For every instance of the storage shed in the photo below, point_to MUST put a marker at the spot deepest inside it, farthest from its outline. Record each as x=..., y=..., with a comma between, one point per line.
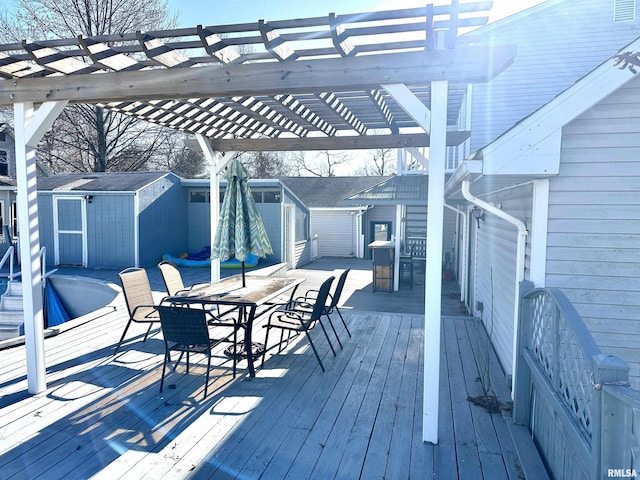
x=112, y=220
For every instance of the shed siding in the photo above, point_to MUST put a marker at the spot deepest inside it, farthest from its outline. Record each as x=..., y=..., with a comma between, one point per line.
x=495, y=275
x=162, y=219
x=594, y=223
x=336, y=230
x=563, y=37
x=45, y=224
x=110, y=233
x=199, y=229
x=302, y=248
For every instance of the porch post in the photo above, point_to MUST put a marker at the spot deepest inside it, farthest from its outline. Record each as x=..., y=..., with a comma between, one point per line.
x=433, y=269
x=214, y=197
x=434, y=122
x=30, y=125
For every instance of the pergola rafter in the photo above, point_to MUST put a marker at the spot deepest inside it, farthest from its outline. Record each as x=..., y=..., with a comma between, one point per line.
x=322, y=74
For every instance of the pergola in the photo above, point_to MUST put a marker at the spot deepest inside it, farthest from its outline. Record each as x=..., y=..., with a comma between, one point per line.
x=390, y=79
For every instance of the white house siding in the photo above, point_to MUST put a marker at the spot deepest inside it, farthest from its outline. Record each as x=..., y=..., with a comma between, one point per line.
x=557, y=46
x=336, y=230
x=495, y=275
x=594, y=223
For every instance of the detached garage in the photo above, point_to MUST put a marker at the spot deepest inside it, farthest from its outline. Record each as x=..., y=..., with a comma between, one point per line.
x=335, y=226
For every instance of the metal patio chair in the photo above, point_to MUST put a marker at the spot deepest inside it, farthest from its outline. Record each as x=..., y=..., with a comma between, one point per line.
x=308, y=300
x=174, y=286
x=185, y=330
x=172, y=279
x=139, y=299
x=301, y=320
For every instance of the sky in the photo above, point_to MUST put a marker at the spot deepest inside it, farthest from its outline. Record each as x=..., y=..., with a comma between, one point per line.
x=206, y=12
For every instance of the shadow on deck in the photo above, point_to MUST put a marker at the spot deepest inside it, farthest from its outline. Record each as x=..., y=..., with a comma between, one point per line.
x=103, y=416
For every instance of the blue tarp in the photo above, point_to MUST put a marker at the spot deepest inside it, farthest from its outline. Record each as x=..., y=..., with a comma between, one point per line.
x=55, y=313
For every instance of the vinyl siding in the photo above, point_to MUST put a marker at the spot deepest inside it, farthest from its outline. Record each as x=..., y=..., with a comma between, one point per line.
x=495, y=274
x=162, y=219
x=199, y=226
x=556, y=47
x=110, y=232
x=594, y=223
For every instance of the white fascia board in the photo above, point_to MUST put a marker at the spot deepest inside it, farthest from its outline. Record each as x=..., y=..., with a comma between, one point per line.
x=541, y=158
x=541, y=129
x=339, y=209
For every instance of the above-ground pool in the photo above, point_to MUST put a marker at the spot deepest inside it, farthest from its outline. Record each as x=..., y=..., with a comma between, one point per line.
x=83, y=295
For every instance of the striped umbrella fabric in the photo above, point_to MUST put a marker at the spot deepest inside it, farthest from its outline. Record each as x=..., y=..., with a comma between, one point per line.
x=240, y=229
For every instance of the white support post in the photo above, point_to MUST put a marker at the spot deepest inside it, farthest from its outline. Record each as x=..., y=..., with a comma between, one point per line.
x=434, y=122
x=215, y=167
x=30, y=125
x=433, y=269
x=539, y=220
x=397, y=239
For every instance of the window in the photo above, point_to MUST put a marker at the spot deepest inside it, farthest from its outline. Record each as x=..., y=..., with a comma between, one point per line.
x=3, y=136
x=4, y=163
x=271, y=196
x=200, y=197
x=302, y=232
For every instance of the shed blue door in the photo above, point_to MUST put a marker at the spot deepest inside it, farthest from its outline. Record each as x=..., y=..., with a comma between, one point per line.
x=70, y=231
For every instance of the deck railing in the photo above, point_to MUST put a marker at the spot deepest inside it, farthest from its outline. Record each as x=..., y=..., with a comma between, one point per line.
x=8, y=255
x=576, y=401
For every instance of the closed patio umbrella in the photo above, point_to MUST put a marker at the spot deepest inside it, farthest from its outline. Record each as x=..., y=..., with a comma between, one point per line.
x=240, y=229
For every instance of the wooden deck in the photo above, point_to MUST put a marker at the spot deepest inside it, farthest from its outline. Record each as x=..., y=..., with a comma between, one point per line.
x=103, y=417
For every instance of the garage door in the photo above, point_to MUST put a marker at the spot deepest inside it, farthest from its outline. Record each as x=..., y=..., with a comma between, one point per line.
x=336, y=233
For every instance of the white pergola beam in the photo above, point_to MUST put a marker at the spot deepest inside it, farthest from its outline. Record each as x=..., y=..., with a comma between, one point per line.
x=407, y=100
x=417, y=154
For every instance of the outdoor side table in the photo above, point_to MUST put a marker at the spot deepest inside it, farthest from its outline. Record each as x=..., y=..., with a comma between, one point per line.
x=383, y=258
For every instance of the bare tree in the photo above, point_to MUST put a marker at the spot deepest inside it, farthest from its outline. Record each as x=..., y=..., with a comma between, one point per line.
x=266, y=164
x=89, y=137
x=382, y=162
x=322, y=164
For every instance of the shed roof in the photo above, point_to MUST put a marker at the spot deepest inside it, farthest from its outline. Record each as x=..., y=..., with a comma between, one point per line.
x=328, y=192
x=401, y=189
x=99, y=182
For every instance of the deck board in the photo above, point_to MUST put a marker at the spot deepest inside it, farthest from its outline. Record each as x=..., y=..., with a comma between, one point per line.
x=102, y=416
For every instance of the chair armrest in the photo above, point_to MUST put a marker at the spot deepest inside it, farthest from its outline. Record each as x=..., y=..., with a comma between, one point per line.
x=312, y=291
x=287, y=316
x=152, y=315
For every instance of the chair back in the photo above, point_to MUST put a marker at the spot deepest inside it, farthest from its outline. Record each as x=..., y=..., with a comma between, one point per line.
x=171, y=277
x=336, y=295
x=321, y=299
x=184, y=325
x=136, y=288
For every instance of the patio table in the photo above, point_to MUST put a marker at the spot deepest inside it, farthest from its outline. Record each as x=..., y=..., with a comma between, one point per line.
x=258, y=292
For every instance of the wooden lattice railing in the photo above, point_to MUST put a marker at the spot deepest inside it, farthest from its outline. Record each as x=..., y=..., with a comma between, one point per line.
x=576, y=401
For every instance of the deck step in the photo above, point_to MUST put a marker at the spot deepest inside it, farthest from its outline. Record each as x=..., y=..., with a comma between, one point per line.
x=11, y=303
x=14, y=288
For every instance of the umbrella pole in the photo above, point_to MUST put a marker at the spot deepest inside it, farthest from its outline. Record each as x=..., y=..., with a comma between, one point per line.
x=243, y=283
